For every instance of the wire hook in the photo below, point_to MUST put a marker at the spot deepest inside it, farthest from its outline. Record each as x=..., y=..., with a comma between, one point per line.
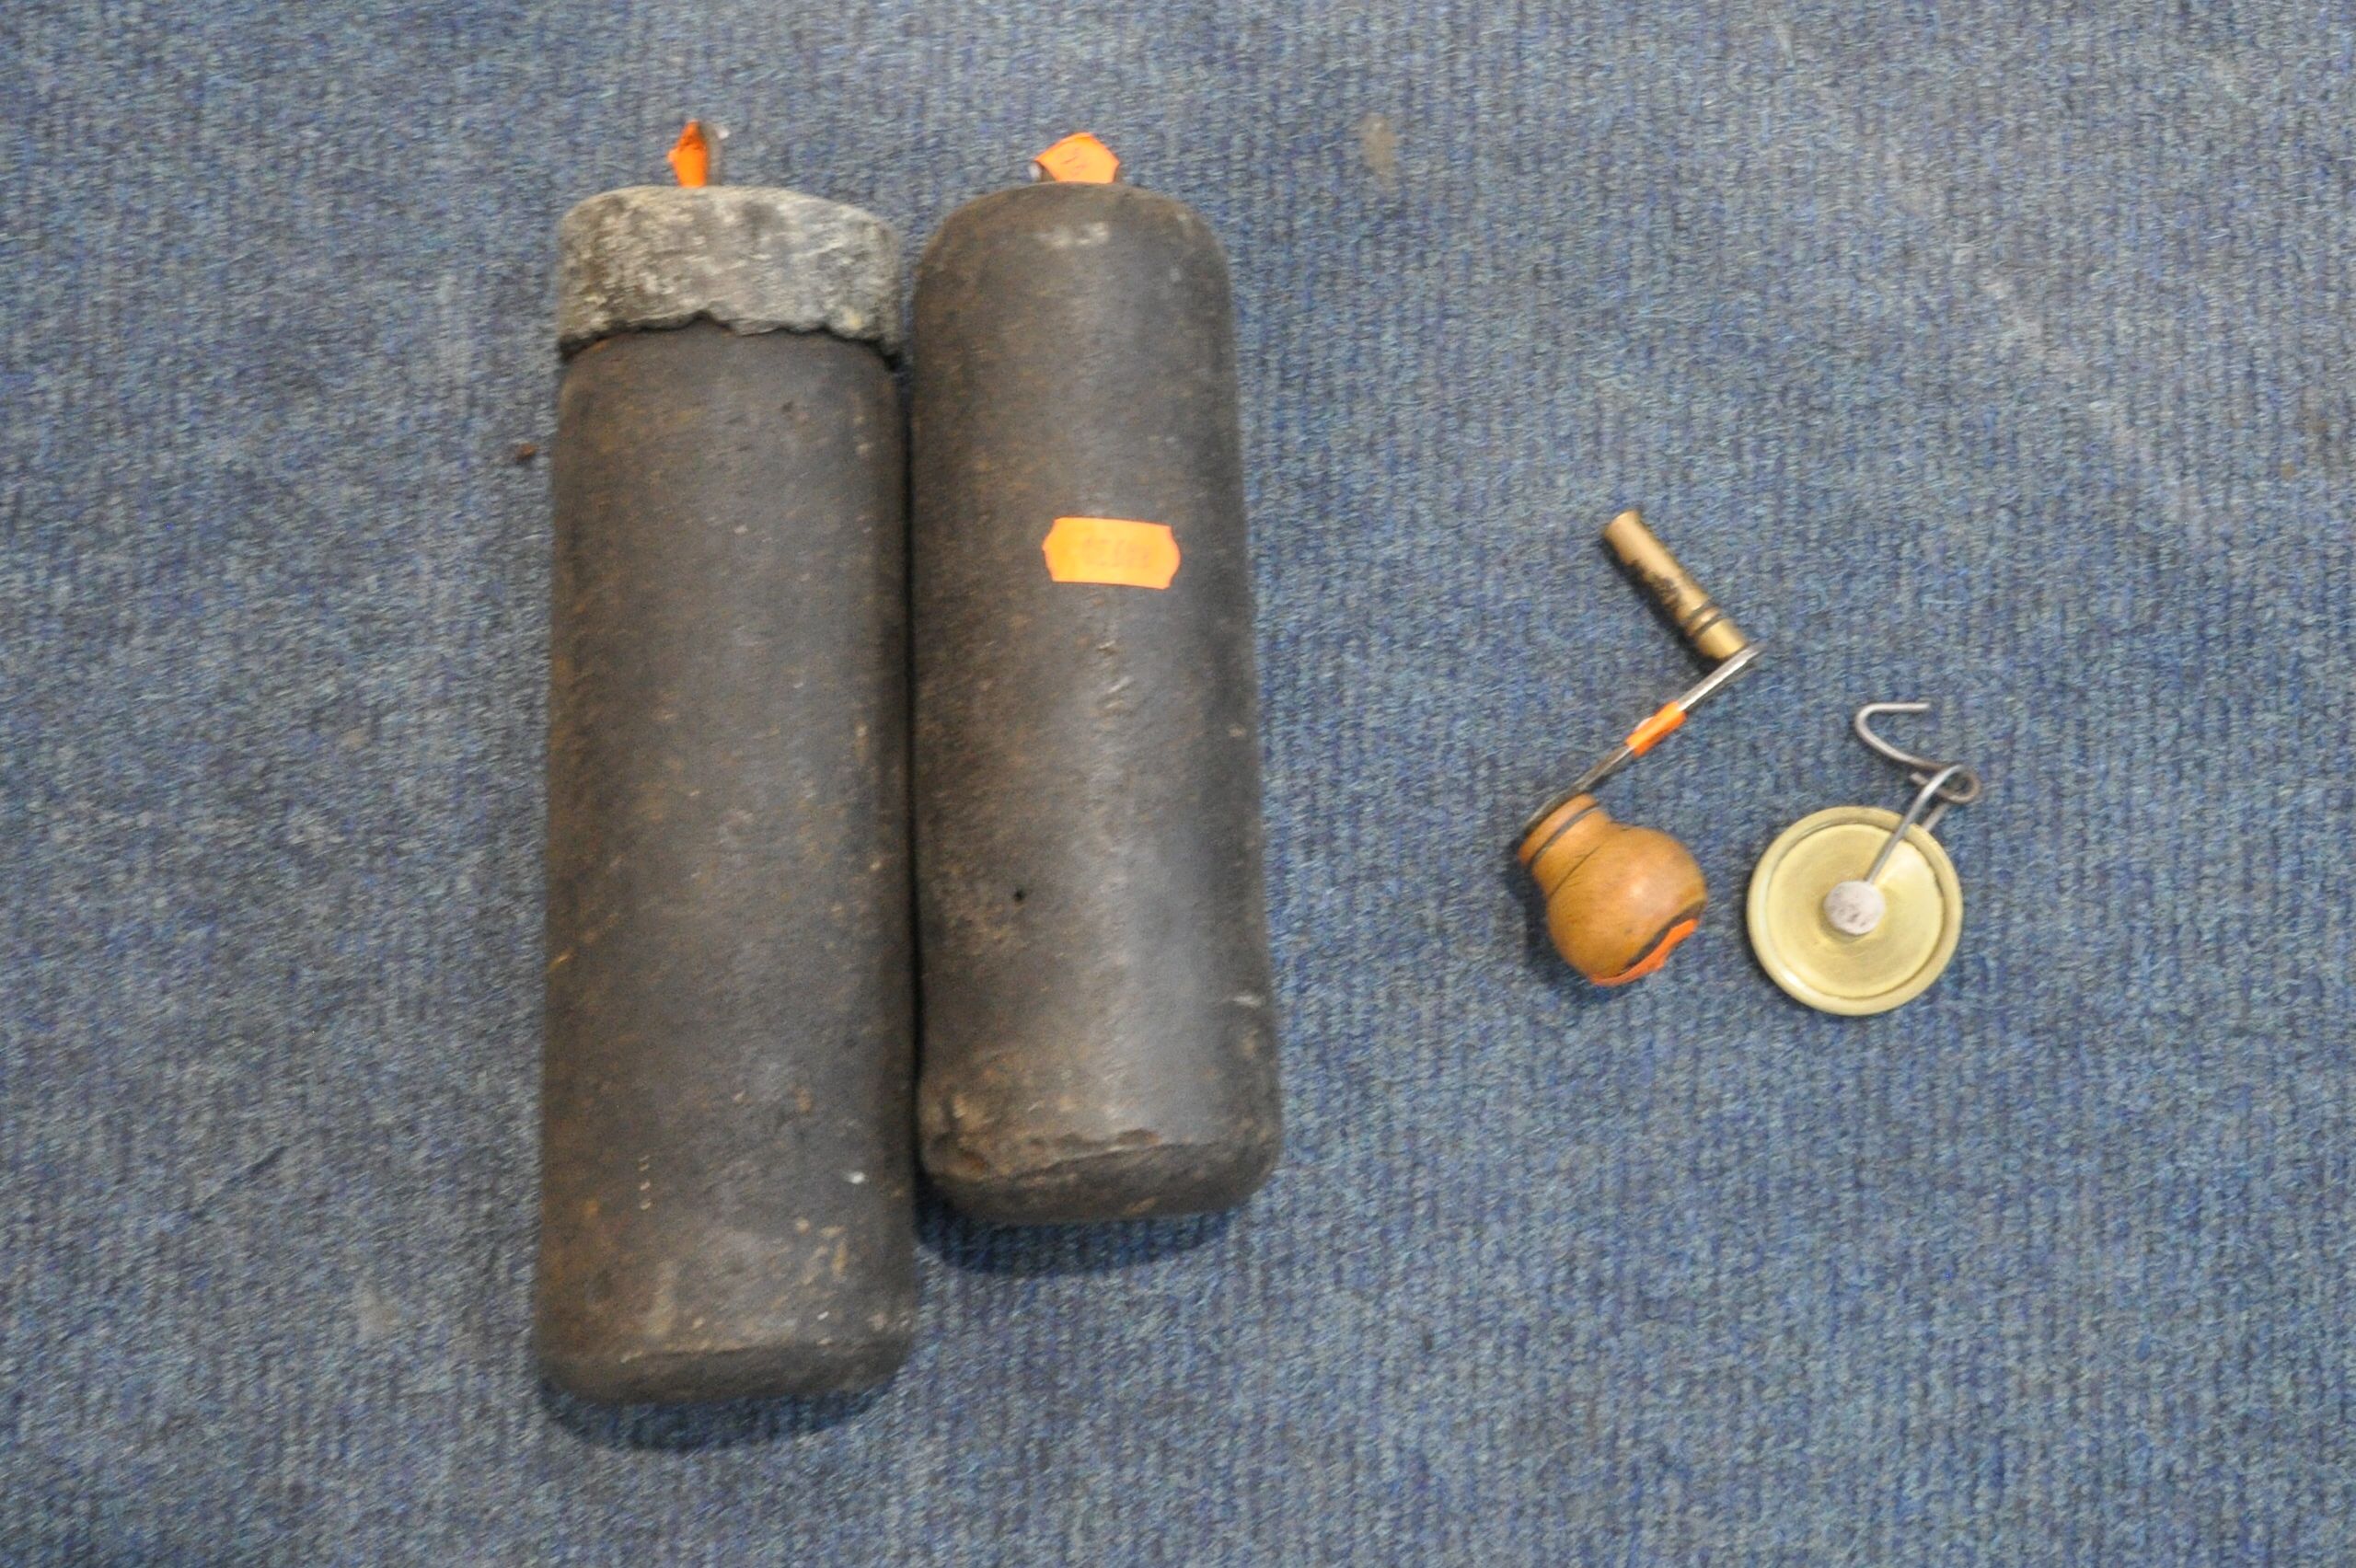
x=1950, y=782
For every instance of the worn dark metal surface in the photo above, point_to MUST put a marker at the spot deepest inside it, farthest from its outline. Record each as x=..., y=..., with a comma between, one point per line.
x=1098, y=1040
x=726, y=1199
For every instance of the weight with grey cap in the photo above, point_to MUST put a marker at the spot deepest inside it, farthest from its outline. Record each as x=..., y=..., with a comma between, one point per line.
x=727, y=1161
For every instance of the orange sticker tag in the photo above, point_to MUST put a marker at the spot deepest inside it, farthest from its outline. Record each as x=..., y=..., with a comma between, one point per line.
x=690, y=157
x=1113, y=550
x=1079, y=158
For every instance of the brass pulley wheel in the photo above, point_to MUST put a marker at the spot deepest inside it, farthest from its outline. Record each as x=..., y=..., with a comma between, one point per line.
x=1800, y=944
x=1856, y=910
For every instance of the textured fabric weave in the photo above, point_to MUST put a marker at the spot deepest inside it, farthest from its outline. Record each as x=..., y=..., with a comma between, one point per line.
x=1991, y=353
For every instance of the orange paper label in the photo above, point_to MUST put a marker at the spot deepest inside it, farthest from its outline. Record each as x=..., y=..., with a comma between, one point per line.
x=690, y=157
x=1113, y=550
x=1079, y=158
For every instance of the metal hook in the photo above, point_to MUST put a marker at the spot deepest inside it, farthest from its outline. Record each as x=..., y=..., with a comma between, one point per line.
x=1951, y=782
x=1866, y=733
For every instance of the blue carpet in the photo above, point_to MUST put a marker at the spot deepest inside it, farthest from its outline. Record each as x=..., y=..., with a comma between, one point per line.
x=1979, y=353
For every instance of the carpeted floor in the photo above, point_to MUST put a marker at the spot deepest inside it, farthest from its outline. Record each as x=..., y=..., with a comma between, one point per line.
x=1986, y=353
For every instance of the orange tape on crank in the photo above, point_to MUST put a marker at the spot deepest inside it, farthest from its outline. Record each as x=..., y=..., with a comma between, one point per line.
x=1652, y=731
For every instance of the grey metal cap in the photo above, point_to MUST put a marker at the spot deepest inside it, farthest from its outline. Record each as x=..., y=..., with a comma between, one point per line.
x=754, y=259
